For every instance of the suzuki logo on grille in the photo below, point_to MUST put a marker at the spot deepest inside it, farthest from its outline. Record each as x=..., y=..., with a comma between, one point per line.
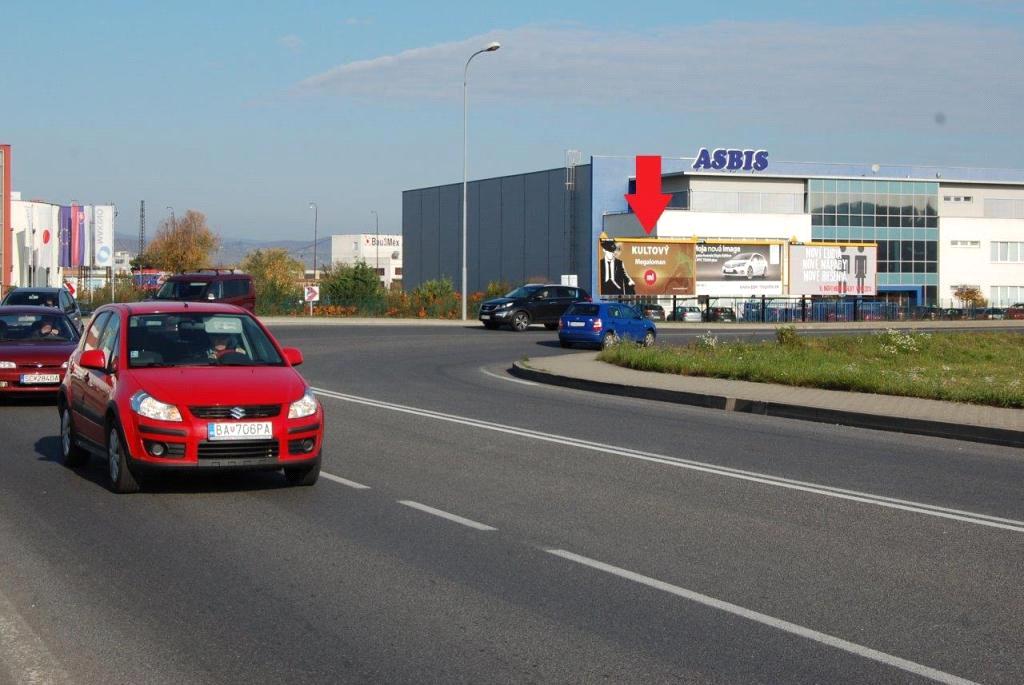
x=237, y=412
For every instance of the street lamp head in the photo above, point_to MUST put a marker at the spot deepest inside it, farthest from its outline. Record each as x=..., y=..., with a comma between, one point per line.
x=491, y=47
x=312, y=205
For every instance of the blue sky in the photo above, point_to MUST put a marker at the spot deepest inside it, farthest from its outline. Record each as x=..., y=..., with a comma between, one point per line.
x=247, y=115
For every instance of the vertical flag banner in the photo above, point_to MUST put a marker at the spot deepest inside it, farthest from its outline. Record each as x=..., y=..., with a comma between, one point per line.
x=45, y=236
x=77, y=246
x=87, y=235
x=103, y=235
x=64, y=236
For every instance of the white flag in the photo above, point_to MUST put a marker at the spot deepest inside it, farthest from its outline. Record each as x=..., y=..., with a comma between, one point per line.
x=103, y=235
x=45, y=237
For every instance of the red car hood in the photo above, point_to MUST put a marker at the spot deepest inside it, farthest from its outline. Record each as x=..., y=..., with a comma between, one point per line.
x=232, y=385
x=46, y=353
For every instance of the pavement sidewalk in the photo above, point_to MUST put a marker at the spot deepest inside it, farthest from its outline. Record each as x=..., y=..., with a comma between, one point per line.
x=975, y=423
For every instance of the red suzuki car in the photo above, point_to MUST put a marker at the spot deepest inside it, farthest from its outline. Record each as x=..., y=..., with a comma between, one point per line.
x=35, y=343
x=178, y=385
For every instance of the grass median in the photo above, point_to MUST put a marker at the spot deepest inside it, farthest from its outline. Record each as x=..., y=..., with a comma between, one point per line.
x=974, y=367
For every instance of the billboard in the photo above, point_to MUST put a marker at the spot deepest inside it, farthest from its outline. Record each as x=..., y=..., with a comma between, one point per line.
x=739, y=269
x=833, y=269
x=645, y=266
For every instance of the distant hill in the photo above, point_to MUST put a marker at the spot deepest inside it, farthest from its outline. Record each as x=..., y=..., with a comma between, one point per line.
x=232, y=250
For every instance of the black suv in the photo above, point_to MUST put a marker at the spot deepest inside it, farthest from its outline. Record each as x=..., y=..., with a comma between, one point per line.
x=529, y=304
x=58, y=298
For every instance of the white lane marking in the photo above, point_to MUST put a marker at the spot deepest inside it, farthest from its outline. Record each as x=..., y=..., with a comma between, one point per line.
x=23, y=652
x=728, y=472
x=445, y=515
x=765, y=619
x=506, y=378
x=345, y=481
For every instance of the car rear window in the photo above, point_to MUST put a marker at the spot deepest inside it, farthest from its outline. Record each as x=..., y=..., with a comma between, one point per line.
x=584, y=310
x=31, y=298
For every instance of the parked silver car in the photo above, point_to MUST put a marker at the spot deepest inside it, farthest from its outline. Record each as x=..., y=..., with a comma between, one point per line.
x=690, y=314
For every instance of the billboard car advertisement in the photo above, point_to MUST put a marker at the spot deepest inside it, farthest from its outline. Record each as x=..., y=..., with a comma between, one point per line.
x=833, y=269
x=639, y=266
x=739, y=269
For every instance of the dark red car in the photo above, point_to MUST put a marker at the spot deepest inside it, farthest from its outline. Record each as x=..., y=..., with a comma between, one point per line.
x=158, y=386
x=35, y=344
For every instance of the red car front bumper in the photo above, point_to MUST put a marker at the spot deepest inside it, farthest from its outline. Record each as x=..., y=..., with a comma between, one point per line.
x=186, y=444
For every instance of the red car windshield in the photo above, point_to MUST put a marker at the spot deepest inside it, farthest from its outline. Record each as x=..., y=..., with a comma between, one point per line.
x=34, y=328
x=162, y=340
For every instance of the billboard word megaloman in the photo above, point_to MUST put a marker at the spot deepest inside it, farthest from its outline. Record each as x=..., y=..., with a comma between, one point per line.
x=739, y=269
x=638, y=266
x=833, y=269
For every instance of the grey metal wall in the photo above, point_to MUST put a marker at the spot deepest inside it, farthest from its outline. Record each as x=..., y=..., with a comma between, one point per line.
x=521, y=227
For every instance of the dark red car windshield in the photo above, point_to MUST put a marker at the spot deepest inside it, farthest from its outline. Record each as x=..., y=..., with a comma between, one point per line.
x=182, y=290
x=161, y=340
x=34, y=328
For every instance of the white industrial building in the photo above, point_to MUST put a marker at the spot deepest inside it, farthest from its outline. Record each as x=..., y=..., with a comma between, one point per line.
x=381, y=252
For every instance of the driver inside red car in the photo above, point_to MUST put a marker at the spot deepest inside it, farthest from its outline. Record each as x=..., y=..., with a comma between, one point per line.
x=222, y=344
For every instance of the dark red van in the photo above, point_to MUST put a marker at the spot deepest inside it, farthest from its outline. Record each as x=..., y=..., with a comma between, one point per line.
x=230, y=286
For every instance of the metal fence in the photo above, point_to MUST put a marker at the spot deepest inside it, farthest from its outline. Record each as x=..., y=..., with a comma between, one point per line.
x=805, y=309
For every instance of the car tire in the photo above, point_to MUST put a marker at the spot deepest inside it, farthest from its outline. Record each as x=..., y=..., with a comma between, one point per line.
x=648, y=339
x=609, y=339
x=551, y=326
x=303, y=476
x=520, y=321
x=119, y=474
x=71, y=454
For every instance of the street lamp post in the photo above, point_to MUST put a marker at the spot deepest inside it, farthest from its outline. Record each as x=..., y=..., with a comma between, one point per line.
x=465, y=162
x=376, y=221
x=316, y=217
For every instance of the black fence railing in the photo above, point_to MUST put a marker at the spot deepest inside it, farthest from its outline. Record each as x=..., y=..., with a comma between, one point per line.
x=767, y=309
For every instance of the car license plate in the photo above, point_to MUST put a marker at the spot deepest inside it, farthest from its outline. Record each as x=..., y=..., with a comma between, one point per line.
x=245, y=430
x=484, y=317
x=576, y=324
x=40, y=379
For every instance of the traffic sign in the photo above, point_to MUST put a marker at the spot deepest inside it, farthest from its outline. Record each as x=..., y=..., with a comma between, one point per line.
x=311, y=293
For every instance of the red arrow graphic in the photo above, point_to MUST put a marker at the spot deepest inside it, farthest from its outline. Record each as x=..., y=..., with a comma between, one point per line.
x=648, y=202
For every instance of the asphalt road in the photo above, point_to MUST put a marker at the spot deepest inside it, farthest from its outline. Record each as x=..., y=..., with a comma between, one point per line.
x=475, y=528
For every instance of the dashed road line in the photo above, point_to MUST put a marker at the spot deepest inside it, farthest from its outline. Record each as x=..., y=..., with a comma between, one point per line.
x=469, y=523
x=770, y=621
x=344, y=481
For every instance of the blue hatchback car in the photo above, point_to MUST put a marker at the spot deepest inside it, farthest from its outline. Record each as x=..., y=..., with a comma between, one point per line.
x=603, y=324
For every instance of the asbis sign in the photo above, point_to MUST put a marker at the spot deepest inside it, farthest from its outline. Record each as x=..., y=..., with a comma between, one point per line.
x=731, y=160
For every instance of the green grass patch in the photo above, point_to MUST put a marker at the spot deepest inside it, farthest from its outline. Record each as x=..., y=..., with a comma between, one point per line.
x=975, y=367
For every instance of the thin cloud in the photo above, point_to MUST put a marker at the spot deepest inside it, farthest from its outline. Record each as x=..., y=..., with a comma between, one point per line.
x=291, y=42
x=759, y=70
x=357, y=21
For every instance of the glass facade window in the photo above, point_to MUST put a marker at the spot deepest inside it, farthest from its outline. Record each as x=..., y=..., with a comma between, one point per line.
x=901, y=216
x=1006, y=295
x=1007, y=252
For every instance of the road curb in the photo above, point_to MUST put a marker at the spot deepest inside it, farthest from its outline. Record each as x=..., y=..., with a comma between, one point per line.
x=898, y=424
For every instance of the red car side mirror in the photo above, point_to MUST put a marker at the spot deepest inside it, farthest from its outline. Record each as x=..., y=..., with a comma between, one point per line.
x=93, y=359
x=293, y=355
